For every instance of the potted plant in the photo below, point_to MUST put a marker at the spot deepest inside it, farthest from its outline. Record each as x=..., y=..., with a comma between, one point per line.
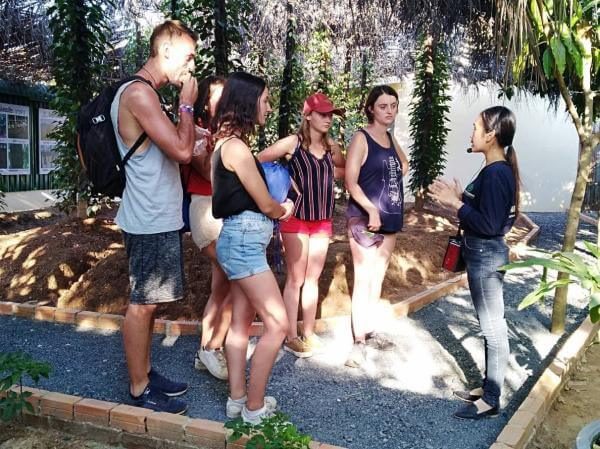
x=580, y=270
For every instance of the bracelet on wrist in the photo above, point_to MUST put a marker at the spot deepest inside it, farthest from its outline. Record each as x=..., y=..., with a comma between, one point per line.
x=186, y=108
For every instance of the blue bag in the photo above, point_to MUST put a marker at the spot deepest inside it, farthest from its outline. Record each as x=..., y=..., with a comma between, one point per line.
x=278, y=180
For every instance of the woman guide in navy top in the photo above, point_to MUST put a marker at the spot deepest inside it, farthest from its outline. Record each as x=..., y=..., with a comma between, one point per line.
x=487, y=209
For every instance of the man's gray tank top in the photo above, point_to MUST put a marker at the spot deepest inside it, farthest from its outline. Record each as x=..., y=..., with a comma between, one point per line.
x=152, y=198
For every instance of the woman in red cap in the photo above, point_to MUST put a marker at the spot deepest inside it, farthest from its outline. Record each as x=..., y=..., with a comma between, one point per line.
x=313, y=158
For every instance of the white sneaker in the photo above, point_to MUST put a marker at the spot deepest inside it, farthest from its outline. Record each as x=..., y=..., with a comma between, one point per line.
x=255, y=417
x=235, y=407
x=213, y=360
x=197, y=362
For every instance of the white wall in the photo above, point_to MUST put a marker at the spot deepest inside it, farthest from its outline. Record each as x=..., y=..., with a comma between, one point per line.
x=546, y=143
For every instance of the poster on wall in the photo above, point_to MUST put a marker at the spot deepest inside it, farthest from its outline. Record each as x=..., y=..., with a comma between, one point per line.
x=14, y=139
x=49, y=121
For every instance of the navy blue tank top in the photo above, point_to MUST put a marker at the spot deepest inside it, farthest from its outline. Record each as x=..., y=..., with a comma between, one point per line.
x=380, y=178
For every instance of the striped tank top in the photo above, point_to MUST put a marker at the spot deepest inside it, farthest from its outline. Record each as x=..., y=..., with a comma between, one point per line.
x=314, y=179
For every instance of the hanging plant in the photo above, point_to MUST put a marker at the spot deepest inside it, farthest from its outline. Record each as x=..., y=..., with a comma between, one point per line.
x=429, y=111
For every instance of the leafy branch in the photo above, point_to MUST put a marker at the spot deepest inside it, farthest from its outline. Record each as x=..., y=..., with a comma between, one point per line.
x=275, y=432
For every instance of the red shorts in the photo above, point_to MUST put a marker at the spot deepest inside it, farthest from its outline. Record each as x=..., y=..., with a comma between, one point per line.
x=310, y=227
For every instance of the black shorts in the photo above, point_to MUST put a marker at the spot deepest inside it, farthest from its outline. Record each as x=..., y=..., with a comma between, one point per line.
x=155, y=267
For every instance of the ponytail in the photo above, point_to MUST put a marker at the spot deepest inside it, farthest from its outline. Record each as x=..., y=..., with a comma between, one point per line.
x=503, y=123
x=511, y=158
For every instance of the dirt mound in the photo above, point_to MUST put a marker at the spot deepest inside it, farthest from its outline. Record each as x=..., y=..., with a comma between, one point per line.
x=82, y=265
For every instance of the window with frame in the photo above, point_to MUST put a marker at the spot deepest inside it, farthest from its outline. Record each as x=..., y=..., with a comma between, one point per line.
x=14, y=139
x=49, y=121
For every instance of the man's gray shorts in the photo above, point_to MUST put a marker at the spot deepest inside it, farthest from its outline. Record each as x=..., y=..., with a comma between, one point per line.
x=155, y=267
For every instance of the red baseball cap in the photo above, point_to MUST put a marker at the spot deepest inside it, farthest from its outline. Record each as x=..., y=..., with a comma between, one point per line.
x=320, y=103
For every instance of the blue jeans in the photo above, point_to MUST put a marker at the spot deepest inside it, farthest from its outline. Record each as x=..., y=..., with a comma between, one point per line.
x=482, y=258
x=242, y=244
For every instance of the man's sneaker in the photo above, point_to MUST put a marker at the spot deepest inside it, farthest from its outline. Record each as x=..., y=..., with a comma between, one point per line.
x=255, y=417
x=234, y=407
x=314, y=343
x=213, y=360
x=297, y=347
x=379, y=342
x=166, y=386
x=159, y=402
x=357, y=357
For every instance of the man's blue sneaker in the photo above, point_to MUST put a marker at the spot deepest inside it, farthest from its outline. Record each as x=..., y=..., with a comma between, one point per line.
x=166, y=386
x=157, y=401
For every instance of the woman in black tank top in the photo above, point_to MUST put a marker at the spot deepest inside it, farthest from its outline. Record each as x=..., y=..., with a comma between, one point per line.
x=241, y=198
x=312, y=158
x=375, y=214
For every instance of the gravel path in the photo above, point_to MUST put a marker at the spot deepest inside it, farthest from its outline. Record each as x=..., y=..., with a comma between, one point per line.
x=402, y=399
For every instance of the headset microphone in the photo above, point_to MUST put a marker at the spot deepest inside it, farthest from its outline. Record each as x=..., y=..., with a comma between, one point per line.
x=469, y=150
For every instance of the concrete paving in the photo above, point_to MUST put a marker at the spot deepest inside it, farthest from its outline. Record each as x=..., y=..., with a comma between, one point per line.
x=30, y=200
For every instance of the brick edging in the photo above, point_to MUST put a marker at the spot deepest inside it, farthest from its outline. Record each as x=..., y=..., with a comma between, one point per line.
x=105, y=321
x=115, y=423
x=522, y=426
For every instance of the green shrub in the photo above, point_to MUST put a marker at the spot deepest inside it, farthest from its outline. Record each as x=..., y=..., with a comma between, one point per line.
x=276, y=432
x=13, y=367
x=585, y=272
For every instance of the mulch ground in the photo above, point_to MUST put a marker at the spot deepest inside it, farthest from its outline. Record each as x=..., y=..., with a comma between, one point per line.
x=48, y=258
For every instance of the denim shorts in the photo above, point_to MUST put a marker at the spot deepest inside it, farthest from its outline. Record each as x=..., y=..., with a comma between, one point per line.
x=242, y=244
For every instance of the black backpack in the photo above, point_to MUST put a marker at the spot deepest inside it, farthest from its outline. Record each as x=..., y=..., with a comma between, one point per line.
x=97, y=143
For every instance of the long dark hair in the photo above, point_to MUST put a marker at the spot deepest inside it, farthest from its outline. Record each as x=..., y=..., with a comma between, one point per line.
x=201, y=106
x=238, y=107
x=503, y=123
x=374, y=94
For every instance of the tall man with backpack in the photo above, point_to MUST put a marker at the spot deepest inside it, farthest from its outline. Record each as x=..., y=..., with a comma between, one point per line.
x=150, y=210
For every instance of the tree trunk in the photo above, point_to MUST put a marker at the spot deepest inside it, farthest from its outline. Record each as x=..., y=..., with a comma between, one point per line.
x=286, y=80
x=220, y=51
x=80, y=56
x=363, y=78
x=585, y=132
x=139, y=49
x=559, y=309
x=347, y=77
x=262, y=138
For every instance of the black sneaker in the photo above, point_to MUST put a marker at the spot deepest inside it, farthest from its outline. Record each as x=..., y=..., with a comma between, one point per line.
x=158, y=402
x=470, y=411
x=166, y=386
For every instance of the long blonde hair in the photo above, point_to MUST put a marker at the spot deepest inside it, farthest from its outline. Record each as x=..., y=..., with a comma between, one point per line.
x=304, y=135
